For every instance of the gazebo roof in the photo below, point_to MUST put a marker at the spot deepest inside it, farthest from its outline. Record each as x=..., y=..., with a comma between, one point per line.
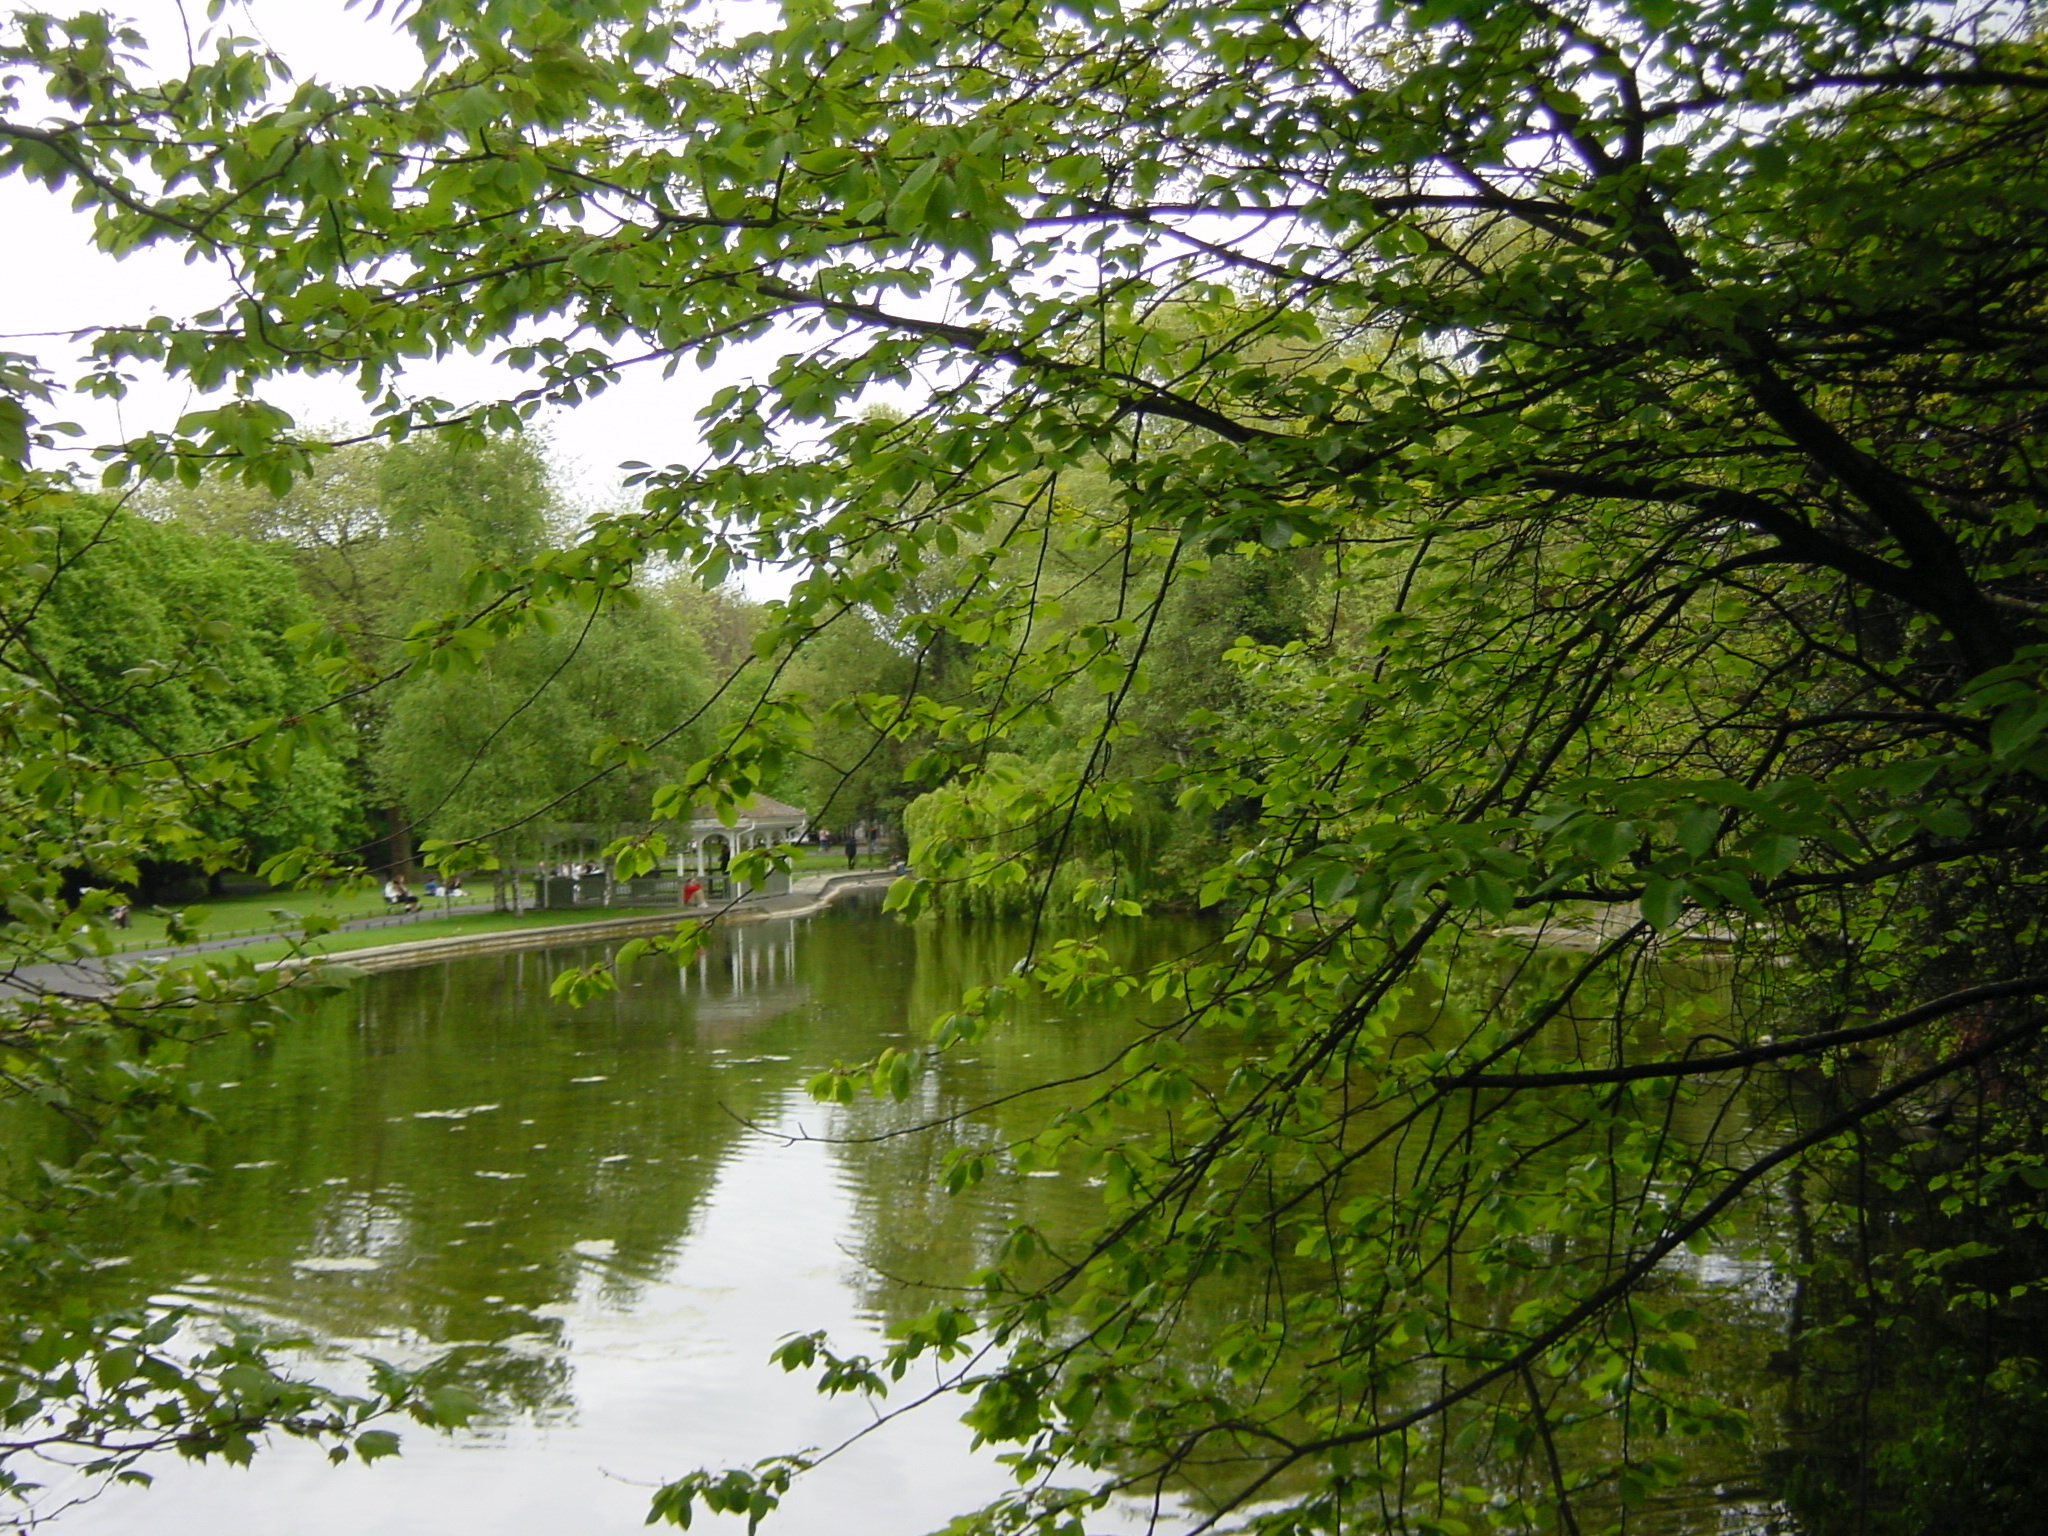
x=755, y=811
x=764, y=808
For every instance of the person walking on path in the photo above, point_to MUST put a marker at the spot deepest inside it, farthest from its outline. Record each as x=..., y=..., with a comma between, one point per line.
x=852, y=848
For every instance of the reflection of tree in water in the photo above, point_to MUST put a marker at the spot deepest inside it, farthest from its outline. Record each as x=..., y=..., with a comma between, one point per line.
x=1229, y=1334
x=1907, y=1411
x=911, y=1229
x=420, y=1163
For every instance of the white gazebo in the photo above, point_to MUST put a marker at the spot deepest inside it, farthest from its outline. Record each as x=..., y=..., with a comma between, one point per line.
x=760, y=822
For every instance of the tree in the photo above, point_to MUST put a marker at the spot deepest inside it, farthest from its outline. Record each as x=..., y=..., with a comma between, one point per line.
x=383, y=539
x=1176, y=715
x=479, y=748
x=161, y=643
x=1658, y=386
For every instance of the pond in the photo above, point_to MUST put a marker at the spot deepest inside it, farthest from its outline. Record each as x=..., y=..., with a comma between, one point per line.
x=614, y=1214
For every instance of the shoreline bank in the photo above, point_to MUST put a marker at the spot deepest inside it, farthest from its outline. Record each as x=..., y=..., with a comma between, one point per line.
x=396, y=957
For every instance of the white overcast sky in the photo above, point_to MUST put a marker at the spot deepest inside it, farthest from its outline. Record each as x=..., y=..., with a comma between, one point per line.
x=53, y=282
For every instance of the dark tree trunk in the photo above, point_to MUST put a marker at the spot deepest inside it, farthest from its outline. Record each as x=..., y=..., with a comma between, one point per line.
x=397, y=843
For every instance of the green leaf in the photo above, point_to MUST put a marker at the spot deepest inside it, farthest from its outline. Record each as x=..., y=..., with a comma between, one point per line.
x=1663, y=901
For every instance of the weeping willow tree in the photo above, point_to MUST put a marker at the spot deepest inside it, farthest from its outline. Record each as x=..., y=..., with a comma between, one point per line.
x=1652, y=393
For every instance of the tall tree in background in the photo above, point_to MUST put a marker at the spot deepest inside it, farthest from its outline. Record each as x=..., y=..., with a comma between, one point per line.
x=161, y=644
x=1658, y=385
x=383, y=539
x=484, y=749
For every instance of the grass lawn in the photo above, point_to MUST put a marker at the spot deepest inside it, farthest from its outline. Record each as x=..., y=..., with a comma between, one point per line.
x=224, y=916
x=812, y=860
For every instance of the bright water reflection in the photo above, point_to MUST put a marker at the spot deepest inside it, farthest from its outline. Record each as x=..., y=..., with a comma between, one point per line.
x=602, y=1209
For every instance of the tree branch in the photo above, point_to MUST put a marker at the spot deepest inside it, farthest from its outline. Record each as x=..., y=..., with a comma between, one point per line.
x=1804, y=1045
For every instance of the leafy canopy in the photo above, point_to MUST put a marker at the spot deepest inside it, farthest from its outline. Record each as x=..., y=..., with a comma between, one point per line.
x=1652, y=391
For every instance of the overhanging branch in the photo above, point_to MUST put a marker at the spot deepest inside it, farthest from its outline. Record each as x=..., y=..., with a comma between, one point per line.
x=1778, y=1050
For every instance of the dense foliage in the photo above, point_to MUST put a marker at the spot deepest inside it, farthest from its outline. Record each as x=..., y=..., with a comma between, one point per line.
x=164, y=644
x=1622, y=420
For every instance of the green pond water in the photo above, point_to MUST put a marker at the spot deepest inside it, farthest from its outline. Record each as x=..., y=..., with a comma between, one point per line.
x=615, y=1213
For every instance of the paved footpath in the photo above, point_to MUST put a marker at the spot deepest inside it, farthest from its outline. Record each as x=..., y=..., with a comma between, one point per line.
x=808, y=893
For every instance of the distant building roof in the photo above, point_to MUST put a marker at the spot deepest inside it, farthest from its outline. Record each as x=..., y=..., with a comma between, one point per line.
x=762, y=807
x=753, y=812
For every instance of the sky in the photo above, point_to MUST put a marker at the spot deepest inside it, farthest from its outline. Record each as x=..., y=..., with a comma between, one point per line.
x=53, y=282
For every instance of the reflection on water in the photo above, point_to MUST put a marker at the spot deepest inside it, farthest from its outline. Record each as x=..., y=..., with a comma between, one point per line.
x=610, y=1216
x=591, y=1208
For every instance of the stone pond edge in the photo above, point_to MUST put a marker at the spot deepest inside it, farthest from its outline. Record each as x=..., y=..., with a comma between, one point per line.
x=397, y=957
